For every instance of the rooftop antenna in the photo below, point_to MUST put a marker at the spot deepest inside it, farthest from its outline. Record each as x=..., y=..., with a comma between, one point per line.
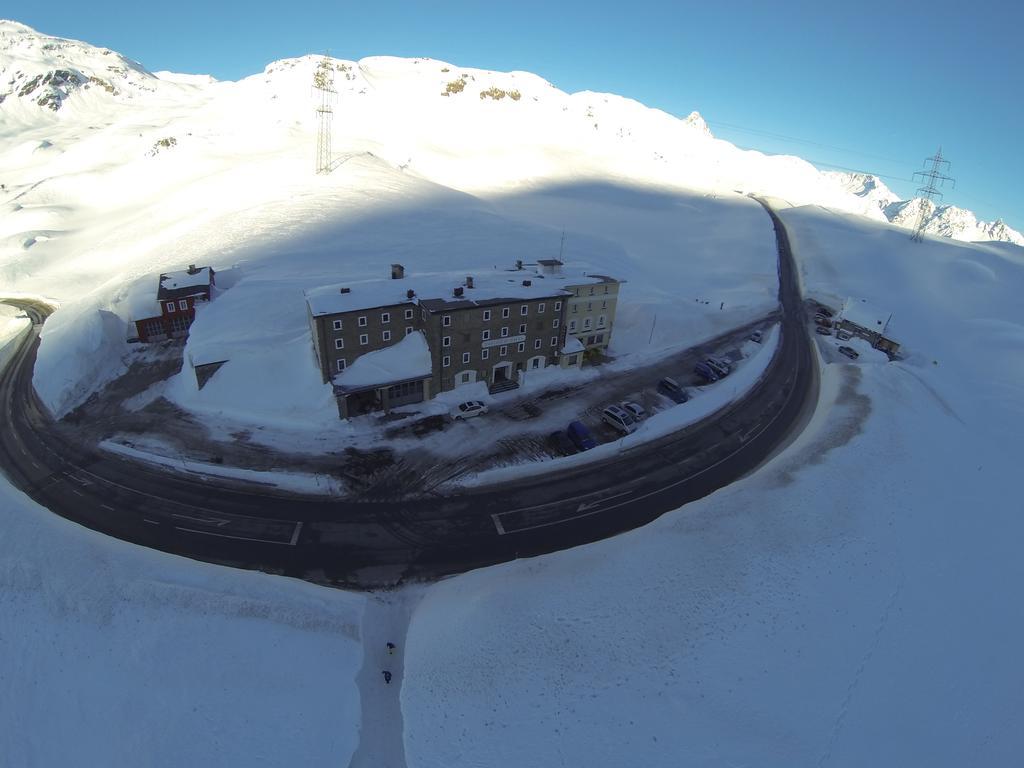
x=928, y=191
x=561, y=248
x=323, y=83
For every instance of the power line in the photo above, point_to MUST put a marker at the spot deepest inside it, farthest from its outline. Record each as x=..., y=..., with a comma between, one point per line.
x=928, y=191
x=799, y=140
x=323, y=82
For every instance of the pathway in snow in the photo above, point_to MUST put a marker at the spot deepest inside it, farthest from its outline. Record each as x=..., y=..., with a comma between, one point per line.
x=381, y=732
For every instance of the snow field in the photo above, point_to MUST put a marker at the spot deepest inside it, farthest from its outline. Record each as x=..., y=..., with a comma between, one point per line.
x=118, y=655
x=846, y=605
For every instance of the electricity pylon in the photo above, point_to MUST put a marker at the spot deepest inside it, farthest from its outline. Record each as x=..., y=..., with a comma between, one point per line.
x=928, y=191
x=323, y=83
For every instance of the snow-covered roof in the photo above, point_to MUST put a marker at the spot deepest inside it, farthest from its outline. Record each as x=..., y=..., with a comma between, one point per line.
x=436, y=291
x=860, y=312
x=572, y=346
x=408, y=359
x=172, y=281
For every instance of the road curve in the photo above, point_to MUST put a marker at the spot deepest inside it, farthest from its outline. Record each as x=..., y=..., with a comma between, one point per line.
x=368, y=545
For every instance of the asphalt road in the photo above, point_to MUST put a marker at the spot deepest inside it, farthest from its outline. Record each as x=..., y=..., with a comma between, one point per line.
x=378, y=544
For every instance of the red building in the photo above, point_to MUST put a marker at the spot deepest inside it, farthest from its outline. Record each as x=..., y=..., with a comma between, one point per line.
x=176, y=296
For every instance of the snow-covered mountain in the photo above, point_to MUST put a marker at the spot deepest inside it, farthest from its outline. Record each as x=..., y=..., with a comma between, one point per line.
x=944, y=220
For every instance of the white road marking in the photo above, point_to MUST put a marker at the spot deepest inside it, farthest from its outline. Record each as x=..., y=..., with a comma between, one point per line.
x=600, y=502
x=229, y=536
x=220, y=522
x=295, y=534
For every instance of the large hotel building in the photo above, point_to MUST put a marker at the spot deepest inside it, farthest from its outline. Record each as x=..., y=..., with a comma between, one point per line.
x=386, y=343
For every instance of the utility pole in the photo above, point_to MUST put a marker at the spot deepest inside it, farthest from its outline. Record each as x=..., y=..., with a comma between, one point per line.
x=323, y=83
x=928, y=191
x=561, y=247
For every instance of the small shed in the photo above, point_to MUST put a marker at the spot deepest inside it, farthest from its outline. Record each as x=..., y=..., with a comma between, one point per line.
x=864, y=320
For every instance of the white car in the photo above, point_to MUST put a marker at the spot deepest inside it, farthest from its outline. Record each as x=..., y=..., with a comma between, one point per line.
x=469, y=409
x=619, y=419
x=635, y=410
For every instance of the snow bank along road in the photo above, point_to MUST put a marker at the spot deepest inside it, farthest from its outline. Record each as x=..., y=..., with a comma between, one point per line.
x=374, y=544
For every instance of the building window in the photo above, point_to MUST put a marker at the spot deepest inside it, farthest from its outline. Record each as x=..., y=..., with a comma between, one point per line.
x=522, y=328
x=590, y=305
x=604, y=305
x=575, y=307
x=577, y=291
x=465, y=357
x=586, y=324
x=170, y=306
x=600, y=321
x=423, y=315
x=484, y=354
x=337, y=325
x=183, y=305
x=362, y=321
x=339, y=343
x=485, y=334
x=446, y=341
x=504, y=331
x=606, y=289
x=554, y=341
x=446, y=361
x=591, y=290
x=385, y=318
x=446, y=320
x=487, y=315
x=504, y=311
x=558, y=306
x=521, y=346
x=364, y=339
x=408, y=314
x=555, y=323
x=540, y=308
x=502, y=350
x=600, y=338
x=536, y=344
x=408, y=330
x=524, y=309
x=572, y=326
x=386, y=335
x=341, y=364
x=590, y=340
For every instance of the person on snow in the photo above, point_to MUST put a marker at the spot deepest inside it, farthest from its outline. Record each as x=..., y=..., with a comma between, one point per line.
x=387, y=677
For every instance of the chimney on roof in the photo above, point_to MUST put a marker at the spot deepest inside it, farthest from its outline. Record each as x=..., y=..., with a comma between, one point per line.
x=527, y=283
x=410, y=293
x=397, y=271
x=346, y=290
x=458, y=292
x=192, y=269
x=519, y=264
x=469, y=281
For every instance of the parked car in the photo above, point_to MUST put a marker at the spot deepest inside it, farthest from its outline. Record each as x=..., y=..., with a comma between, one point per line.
x=756, y=336
x=719, y=366
x=850, y=352
x=580, y=436
x=843, y=335
x=822, y=320
x=823, y=330
x=705, y=371
x=635, y=410
x=823, y=310
x=560, y=444
x=469, y=409
x=672, y=390
x=619, y=419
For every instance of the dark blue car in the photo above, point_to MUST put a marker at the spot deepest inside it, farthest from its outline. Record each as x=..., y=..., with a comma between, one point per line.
x=673, y=390
x=580, y=436
x=705, y=372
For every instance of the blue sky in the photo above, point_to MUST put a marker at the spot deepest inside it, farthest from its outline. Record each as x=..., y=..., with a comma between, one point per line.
x=873, y=86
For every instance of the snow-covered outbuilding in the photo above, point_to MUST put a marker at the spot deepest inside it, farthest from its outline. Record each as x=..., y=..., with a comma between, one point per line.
x=868, y=322
x=171, y=314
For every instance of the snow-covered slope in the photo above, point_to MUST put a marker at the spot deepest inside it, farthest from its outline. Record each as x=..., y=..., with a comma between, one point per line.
x=944, y=220
x=851, y=603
